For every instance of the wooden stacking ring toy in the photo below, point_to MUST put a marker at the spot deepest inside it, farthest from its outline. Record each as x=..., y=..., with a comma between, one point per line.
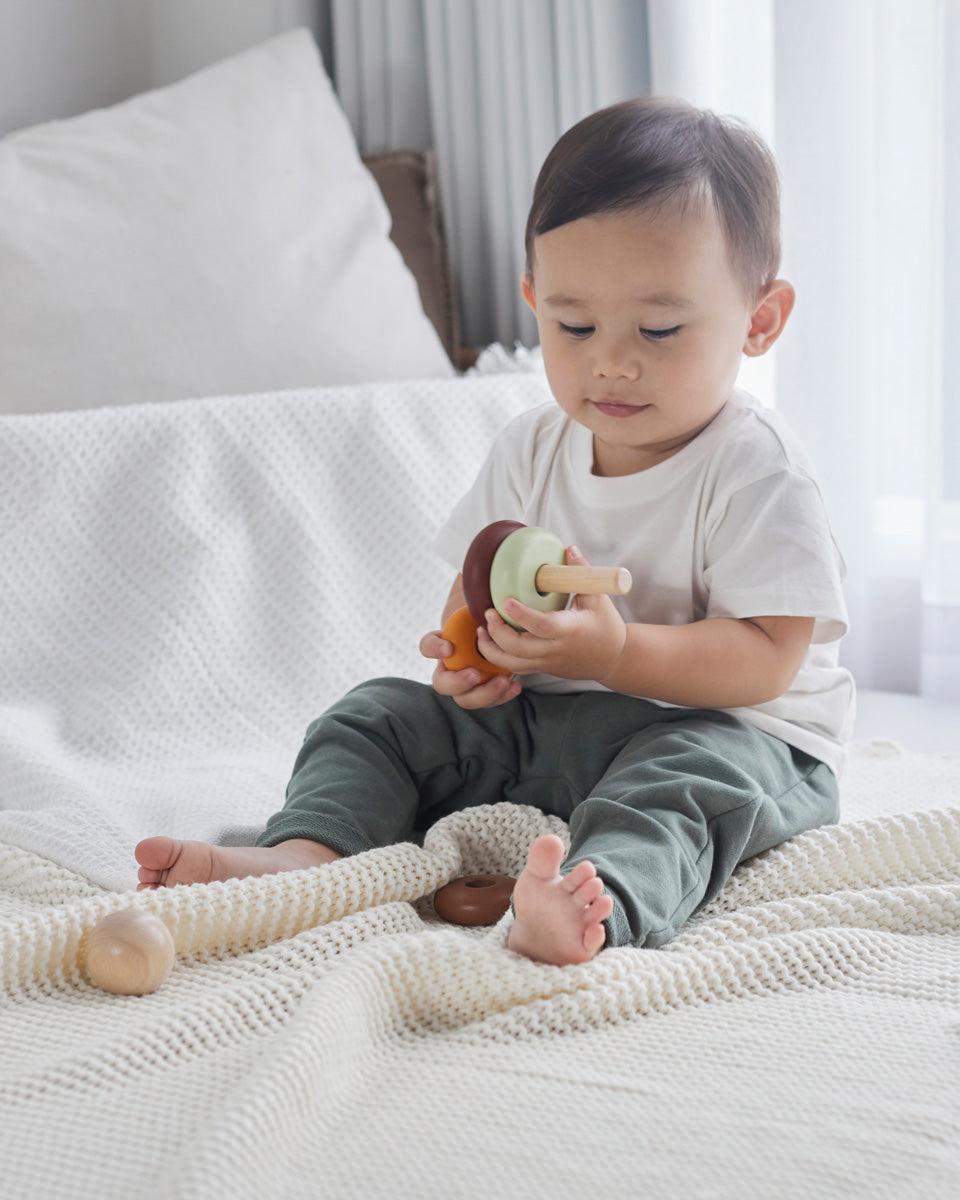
x=130, y=952
x=461, y=631
x=474, y=899
x=508, y=559
x=476, y=566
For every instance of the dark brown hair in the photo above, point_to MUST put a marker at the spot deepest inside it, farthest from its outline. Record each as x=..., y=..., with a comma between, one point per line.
x=649, y=152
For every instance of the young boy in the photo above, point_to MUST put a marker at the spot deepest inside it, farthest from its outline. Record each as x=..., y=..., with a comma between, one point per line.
x=700, y=719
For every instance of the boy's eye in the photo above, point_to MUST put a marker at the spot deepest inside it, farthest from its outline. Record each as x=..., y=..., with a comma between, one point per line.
x=652, y=335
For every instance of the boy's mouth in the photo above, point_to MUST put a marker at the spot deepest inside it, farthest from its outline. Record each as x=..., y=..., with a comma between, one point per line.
x=619, y=408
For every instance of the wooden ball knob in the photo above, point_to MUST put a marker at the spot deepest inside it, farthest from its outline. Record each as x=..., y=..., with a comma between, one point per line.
x=130, y=952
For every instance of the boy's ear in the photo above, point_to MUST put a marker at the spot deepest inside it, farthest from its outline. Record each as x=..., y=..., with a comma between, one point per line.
x=526, y=287
x=769, y=317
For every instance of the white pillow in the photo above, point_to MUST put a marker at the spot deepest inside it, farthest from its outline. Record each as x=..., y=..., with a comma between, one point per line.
x=217, y=236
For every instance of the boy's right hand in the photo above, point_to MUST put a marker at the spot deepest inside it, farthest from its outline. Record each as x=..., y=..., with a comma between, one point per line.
x=465, y=687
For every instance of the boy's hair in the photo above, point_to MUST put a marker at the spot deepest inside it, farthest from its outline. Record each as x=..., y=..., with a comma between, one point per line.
x=649, y=152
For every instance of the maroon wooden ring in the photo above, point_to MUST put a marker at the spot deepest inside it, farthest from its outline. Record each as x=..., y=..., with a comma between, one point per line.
x=474, y=899
x=476, y=566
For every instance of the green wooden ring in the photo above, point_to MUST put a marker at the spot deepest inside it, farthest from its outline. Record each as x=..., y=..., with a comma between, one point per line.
x=513, y=571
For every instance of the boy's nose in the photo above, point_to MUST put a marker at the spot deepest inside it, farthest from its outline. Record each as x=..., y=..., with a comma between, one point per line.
x=617, y=360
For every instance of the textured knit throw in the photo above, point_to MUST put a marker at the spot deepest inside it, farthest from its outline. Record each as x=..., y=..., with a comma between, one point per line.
x=184, y=588
x=318, y=1027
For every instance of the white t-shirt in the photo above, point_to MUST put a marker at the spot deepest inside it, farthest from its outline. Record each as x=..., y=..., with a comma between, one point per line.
x=733, y=525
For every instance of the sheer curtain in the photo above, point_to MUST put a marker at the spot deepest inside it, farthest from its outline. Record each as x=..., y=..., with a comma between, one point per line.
x=490, y=84
x=862, y=103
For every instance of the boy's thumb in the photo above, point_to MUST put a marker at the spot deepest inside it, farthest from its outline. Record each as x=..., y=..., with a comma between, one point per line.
x=575, y=559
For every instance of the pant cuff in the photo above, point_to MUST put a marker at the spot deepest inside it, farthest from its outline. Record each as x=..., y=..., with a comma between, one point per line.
x=617, y=926
x=341, y=838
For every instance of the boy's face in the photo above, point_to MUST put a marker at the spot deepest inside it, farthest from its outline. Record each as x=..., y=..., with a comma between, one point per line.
x=642, y=325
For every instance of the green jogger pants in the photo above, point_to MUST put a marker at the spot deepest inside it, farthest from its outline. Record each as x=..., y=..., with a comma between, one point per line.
x=664, y=801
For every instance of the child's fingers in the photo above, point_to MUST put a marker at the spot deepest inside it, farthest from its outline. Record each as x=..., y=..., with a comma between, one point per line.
x=510, y=640
x=469, y=690
x=498, y=643
x=432, y=645
x=455, y=683
x=499, y=689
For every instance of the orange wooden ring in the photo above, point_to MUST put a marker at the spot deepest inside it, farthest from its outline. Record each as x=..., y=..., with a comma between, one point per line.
x=461, y=631
x=474, y=899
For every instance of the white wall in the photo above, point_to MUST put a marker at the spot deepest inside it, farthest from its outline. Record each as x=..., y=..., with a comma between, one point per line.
x=63, y=57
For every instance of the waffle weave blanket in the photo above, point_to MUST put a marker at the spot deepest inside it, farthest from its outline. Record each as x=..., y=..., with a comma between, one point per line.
x=184, y=588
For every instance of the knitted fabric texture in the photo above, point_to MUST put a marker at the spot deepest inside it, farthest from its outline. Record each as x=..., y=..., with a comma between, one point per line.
x=184, y=588
x=319, y=1027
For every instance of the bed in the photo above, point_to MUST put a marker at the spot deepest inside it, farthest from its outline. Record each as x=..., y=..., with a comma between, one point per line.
x=191, y=573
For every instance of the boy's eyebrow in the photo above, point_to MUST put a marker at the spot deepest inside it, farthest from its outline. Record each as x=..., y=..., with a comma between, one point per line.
x=661, y=299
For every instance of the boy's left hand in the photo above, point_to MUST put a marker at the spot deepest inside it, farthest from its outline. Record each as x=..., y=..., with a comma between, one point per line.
x=583, y=641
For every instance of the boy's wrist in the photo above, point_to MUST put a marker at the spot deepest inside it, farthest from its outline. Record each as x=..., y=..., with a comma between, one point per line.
x=613, y=670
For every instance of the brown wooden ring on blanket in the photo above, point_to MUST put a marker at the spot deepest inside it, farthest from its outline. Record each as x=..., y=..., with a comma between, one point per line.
x=474, y=899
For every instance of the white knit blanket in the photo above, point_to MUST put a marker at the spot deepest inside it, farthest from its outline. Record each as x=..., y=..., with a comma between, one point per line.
x=183, y=588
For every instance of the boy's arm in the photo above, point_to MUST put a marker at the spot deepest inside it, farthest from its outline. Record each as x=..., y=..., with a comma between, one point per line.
x=720, y=662
x=455, y=600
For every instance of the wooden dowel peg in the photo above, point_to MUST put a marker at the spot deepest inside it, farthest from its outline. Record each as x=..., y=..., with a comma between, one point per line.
x=587, y=581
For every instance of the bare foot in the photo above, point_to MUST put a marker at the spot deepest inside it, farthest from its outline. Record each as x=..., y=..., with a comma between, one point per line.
x=559, y=918
x=165, y=862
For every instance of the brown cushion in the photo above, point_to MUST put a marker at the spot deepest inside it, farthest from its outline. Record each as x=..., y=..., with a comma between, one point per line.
x=408, y=181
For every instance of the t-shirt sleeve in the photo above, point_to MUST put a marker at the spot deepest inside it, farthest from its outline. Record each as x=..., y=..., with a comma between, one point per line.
x=770, y=552
x=496, y=495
